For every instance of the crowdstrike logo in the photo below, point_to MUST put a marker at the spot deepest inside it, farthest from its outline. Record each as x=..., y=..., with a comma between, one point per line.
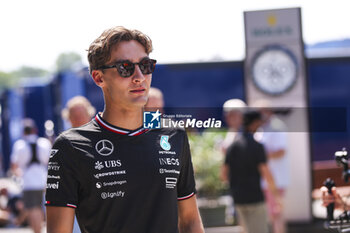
x=113, y=173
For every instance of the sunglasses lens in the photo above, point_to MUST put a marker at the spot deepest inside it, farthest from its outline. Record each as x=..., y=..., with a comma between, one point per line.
x=147, y=66
x=126, y=69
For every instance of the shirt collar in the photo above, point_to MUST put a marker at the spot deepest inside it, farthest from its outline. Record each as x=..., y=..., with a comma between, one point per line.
x=104, y=124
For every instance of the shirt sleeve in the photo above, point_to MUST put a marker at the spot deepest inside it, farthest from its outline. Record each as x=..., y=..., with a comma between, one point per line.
x=260, y=153
x=62, y=180
x=14, y=154
x=280, y=140
x=228, y=154
x=186, y=186
x=44, y=152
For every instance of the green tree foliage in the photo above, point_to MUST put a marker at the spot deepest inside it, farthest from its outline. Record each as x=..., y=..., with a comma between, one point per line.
x=7, y=80
x=207, y=160
x=66, y=61
x=11, y=79
x=29, y=72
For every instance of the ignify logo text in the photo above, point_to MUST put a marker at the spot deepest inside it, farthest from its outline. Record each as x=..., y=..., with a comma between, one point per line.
x=106, y=195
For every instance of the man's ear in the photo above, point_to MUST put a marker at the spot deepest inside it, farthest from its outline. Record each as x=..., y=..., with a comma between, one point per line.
x=97, y=76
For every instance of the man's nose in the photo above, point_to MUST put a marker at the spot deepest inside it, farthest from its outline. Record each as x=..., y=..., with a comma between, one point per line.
x=138, y=75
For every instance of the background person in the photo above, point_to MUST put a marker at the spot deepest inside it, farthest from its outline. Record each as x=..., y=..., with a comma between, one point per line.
x=155, y=100
x=334, y=197
x=233, y=110
x=272, y=134
x=78, y=111
x=29, y=160
x=245, y=164
x=233, y=113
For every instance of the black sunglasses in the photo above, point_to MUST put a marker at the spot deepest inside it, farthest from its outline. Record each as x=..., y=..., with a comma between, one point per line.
x=127, y=68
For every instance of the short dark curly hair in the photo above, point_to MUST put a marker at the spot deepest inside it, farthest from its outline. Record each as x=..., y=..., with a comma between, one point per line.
x=99, y=51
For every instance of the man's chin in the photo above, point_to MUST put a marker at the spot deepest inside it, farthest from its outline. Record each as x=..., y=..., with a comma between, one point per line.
x=140, y=102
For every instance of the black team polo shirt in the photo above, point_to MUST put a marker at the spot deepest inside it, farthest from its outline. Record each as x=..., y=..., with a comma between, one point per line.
x=121, y=181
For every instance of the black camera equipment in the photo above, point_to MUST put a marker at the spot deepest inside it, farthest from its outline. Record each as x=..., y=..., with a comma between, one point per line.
x=342, y=223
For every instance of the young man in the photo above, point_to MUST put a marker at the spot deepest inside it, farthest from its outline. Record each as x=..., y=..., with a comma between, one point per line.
x=113, y=174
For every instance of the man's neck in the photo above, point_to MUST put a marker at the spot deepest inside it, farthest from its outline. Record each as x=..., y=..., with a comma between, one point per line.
x=130, y=119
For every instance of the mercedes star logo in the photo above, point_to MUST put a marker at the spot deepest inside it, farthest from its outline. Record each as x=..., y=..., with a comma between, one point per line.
x=104, y=147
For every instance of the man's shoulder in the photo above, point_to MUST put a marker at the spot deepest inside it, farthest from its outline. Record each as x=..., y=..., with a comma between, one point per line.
x=245, y=141
x=252, y=142
x=81, y=130
x=43, y=142
x=79, y=133
x=20, y=142
x=276, y=125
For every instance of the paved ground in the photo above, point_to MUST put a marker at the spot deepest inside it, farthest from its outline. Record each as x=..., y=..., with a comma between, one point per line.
x=17, y=230
x=235, y=229
x=208, y=230
x=315, y=227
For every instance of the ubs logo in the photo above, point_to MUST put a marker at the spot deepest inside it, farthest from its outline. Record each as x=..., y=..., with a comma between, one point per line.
x=108, y=164
x=104, y=147
x=98, y=165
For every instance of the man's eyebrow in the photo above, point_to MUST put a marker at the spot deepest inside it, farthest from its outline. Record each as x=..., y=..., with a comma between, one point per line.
x=120, y=61
x=144, y=58
x=126, y=60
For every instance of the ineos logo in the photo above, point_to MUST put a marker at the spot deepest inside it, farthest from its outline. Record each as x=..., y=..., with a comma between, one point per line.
x=104, y=147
